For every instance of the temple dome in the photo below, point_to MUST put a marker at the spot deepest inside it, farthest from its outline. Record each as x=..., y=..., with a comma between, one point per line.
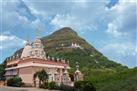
x=26, y=51
x=27, y=43
x=37, y=40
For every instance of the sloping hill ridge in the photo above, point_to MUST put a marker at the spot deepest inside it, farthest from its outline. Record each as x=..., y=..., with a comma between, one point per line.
x=58, y=45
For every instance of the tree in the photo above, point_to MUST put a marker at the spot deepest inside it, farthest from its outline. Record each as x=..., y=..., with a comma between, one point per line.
x=2, y=70
x=42, y=76
x=84, y=86
x=15, y=82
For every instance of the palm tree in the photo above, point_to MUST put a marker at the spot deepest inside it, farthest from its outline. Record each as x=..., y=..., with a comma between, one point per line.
x=42, y=76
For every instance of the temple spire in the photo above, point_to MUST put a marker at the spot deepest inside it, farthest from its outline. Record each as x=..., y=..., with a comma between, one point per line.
x=77, y=66
x=78, y=75
x=37, y=32
x=27, y=40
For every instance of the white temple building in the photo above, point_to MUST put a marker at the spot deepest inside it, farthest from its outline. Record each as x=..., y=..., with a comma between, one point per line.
x=75, y=45
x=33, y=59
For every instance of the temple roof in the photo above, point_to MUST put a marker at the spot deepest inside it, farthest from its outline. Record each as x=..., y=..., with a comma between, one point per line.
x=35, y=62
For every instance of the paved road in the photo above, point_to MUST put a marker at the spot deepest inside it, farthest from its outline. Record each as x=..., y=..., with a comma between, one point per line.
x=4, y=88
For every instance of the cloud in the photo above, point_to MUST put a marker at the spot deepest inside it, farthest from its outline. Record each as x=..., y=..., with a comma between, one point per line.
x=1, y=48
x=122, y=18
x=124, y=53
x=124, y=49
x=10, y=41
x=37, y=24
x=60, y=21
x=6, y=38
x=113, y=29
x=80, y=15
x=11, y=18
x=17, y=18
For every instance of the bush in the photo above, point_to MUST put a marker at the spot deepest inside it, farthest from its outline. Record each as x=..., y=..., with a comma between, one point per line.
x=84, y=86
x=52, y=85
x=66, y=88
x=15, y=82
x=48, y=85
x=44, y=85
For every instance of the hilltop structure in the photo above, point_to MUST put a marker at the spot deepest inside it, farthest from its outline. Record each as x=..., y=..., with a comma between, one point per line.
x=75, y=45
x=33, y=59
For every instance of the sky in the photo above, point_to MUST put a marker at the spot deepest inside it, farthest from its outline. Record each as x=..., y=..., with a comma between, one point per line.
x=109, y=25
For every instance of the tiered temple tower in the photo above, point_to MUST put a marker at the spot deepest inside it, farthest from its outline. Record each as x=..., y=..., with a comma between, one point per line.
x=37, y=49
x=27, y=50
x=78, y=75
x=34, y=50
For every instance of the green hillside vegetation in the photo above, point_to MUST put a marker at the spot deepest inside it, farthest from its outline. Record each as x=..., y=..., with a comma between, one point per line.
x=58, y=43
x=105, y=74
x=108, y=80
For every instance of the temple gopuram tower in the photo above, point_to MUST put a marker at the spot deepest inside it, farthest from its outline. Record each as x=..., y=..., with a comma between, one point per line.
x=78, y=76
